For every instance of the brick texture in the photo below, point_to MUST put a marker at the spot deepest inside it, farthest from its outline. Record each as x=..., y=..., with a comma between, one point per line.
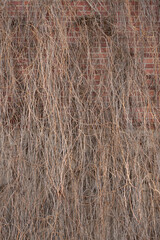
x=133, y=22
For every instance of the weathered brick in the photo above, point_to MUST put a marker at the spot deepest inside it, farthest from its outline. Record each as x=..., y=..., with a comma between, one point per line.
x=140, y=39
x=149, y=65
x=148, y=60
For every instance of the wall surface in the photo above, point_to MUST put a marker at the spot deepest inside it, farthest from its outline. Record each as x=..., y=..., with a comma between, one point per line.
x=80, y=119
x=139, y=21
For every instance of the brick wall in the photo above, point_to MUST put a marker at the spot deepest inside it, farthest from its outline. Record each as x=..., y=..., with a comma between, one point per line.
x=140, y=21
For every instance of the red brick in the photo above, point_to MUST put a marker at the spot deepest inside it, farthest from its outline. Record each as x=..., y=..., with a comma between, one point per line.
x=99, y=55
x=87, y=12
x=87, y=8
x=149, y=66
x=132, y=3
x=80, y=8
x=80, y=14
x=81, y=3
x=148, y=60
x=149, y=55
x=149, y=71
x=97, y=77
x=103, y=44
x=98, y=71
x=105, y=14
x=99, y=67
x=151, y=93
x=15, y=3
x=104, y=50
x=95, y=50
x=103, y=8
